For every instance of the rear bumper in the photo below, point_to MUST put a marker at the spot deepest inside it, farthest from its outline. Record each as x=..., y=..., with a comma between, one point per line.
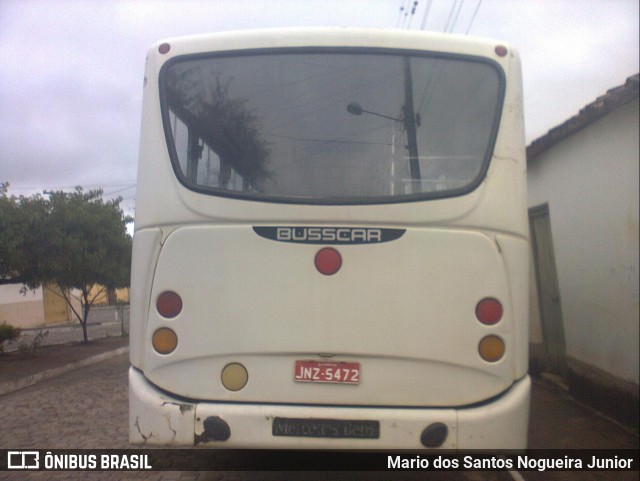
x=155, y=418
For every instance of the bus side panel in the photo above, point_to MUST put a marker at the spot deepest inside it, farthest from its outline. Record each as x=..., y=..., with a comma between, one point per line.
x=155, y=418
x=515, y=252
x=498, y=425
x=146, y=248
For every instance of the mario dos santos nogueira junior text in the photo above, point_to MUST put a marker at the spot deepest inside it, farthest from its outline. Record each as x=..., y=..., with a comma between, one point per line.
x=525, y=462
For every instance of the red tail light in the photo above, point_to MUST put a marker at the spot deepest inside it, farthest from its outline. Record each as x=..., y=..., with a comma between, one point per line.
x=169, y=304
x=501, y=51
x=328, y=261
x=489, y=311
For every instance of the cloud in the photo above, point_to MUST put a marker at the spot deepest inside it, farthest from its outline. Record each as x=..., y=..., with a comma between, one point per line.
x=71, y=82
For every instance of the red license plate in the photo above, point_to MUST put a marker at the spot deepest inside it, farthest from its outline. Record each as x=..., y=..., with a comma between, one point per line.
x=327, y=371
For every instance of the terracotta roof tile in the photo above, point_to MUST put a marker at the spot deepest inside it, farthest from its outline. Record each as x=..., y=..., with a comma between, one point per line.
x=613, y=99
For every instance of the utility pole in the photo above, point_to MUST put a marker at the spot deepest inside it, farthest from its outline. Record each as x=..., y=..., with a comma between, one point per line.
x=409, y=120
x=410, y=126
x=194, y=153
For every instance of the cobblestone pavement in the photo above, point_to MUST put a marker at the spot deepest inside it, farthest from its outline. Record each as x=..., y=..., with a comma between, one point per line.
x=87, y=408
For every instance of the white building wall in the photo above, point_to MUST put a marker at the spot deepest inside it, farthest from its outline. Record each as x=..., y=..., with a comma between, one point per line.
x=590, y=181
x=19, y=308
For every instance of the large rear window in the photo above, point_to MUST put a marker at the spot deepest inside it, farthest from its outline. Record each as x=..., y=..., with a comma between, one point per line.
x=331, y=127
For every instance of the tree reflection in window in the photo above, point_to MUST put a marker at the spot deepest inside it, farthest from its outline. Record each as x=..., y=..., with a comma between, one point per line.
x=206, y=120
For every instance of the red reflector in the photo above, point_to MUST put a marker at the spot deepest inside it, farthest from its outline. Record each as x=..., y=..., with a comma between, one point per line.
x=169, y=304
x=164, y=48
x=501, y=51
x=489, y=311
x=328, y=261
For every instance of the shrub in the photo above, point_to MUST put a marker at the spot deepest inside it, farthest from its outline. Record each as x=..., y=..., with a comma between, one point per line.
x=8, y=333
x=33, y=347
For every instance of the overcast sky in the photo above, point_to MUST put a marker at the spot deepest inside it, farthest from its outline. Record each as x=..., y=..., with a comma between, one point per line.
x=71, y=71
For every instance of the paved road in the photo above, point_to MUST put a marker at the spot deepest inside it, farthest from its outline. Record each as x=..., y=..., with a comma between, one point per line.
x=87, y=408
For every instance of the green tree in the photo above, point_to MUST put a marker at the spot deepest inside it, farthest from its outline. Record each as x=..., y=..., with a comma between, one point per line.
x=74, y=240
x=21, y=222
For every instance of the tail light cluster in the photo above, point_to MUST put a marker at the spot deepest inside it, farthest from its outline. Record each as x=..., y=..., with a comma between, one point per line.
x=234, y=376
x=489, y=312
x=169, y=306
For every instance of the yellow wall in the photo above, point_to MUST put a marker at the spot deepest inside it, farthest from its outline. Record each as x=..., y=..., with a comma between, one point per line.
x=34, y=308
x=56, y=310
x=43, y=306
x=123, y=295
x=102, y=299
x=100, y=295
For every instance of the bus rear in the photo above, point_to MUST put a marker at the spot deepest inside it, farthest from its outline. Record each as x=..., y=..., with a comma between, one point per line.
x=330, y=245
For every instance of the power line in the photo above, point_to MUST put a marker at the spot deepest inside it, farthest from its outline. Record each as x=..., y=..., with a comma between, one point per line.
x=426, y=15
x=452, y=19
x=129, y=187
x=455, y=20
x=84, y=186
x=402, y=18
x=473, y=17
x=400, y=10
x=329, y=141
x=453, y=7
x=413, y=12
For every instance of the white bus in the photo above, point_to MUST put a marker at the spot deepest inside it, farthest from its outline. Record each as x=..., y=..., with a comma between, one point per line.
x=331, y=243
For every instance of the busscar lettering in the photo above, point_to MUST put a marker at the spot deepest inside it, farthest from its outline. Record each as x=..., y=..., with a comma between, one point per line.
x=329, y=234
